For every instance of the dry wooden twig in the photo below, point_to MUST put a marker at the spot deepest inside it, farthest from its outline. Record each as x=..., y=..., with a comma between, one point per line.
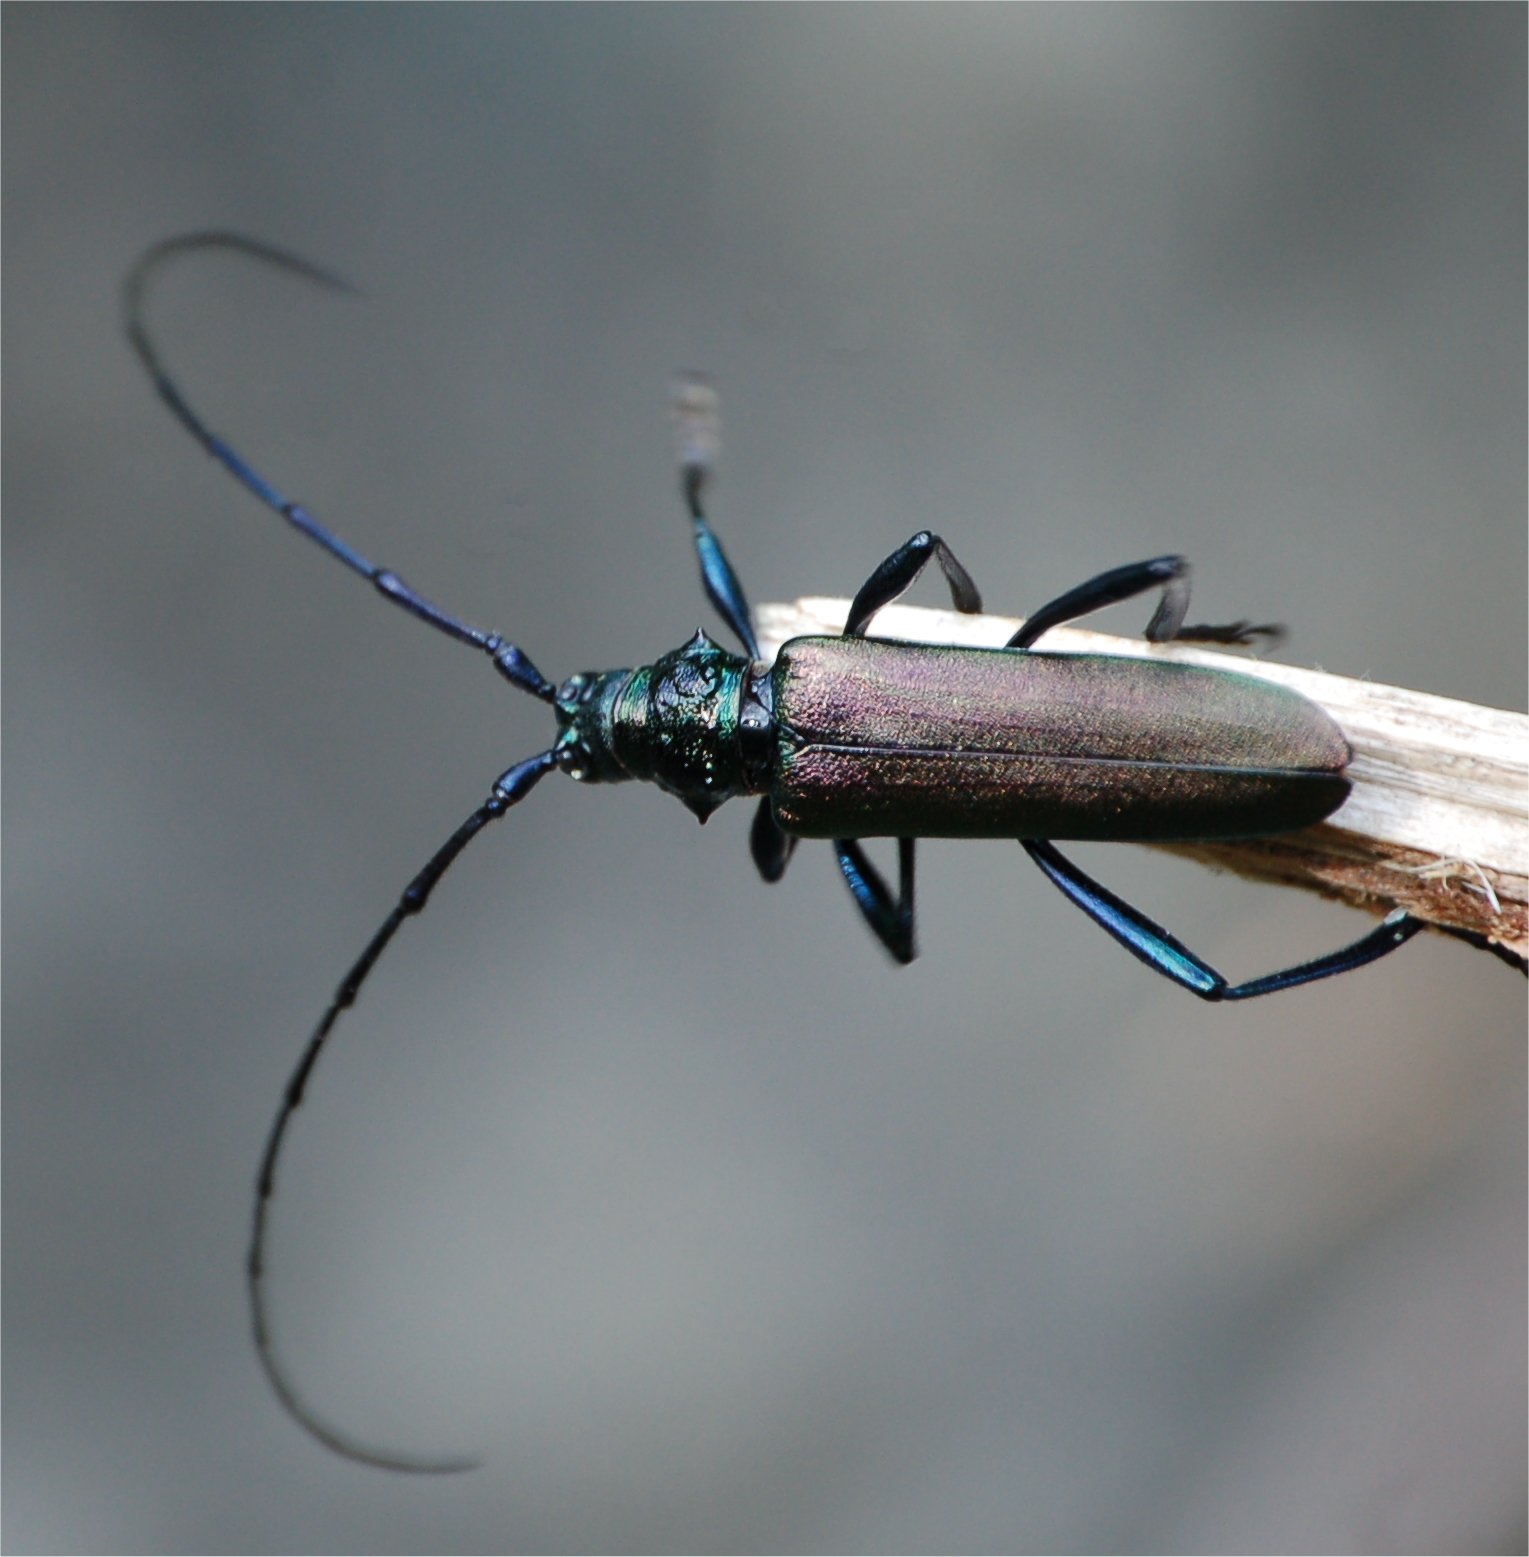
x=1438, y=819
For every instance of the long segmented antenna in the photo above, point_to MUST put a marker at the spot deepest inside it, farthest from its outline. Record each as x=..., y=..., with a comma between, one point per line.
x=512, y=787
x=510, y=661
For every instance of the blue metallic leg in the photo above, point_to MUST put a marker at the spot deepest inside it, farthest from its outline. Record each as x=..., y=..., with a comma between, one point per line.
x=892, y=921
x=1481, y=943
x=694, y=411
x=717, y=575
x=1161, y=952
x=510, y=661
x=769, y=844
x=898, y=572
x=1171, y=575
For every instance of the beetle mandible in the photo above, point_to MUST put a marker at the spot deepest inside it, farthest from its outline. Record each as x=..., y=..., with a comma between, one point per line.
x=851, y=737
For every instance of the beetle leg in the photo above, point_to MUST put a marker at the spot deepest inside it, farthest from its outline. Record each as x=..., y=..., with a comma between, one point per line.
x=1171, y=575
x=1238, y=634
x=898, y=572
x=1161, y=952
x=693, y=409
x=891, y=921
x=1481, y=943
x=770, y=844
x=717, y=575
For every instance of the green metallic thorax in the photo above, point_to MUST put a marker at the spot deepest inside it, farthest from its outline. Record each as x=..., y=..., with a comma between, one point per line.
x=675, y=723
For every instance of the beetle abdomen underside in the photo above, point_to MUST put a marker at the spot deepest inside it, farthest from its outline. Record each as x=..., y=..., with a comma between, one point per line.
x=885, y=739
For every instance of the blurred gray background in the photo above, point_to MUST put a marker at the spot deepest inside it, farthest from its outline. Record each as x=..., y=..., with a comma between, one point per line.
x=664, y=1189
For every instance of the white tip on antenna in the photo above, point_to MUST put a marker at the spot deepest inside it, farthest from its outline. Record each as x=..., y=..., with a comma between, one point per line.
x=697, y=424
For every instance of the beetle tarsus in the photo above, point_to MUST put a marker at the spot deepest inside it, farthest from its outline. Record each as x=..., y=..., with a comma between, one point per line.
x=1237, y=635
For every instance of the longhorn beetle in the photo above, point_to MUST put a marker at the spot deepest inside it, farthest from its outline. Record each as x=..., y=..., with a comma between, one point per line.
x=852, y=737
